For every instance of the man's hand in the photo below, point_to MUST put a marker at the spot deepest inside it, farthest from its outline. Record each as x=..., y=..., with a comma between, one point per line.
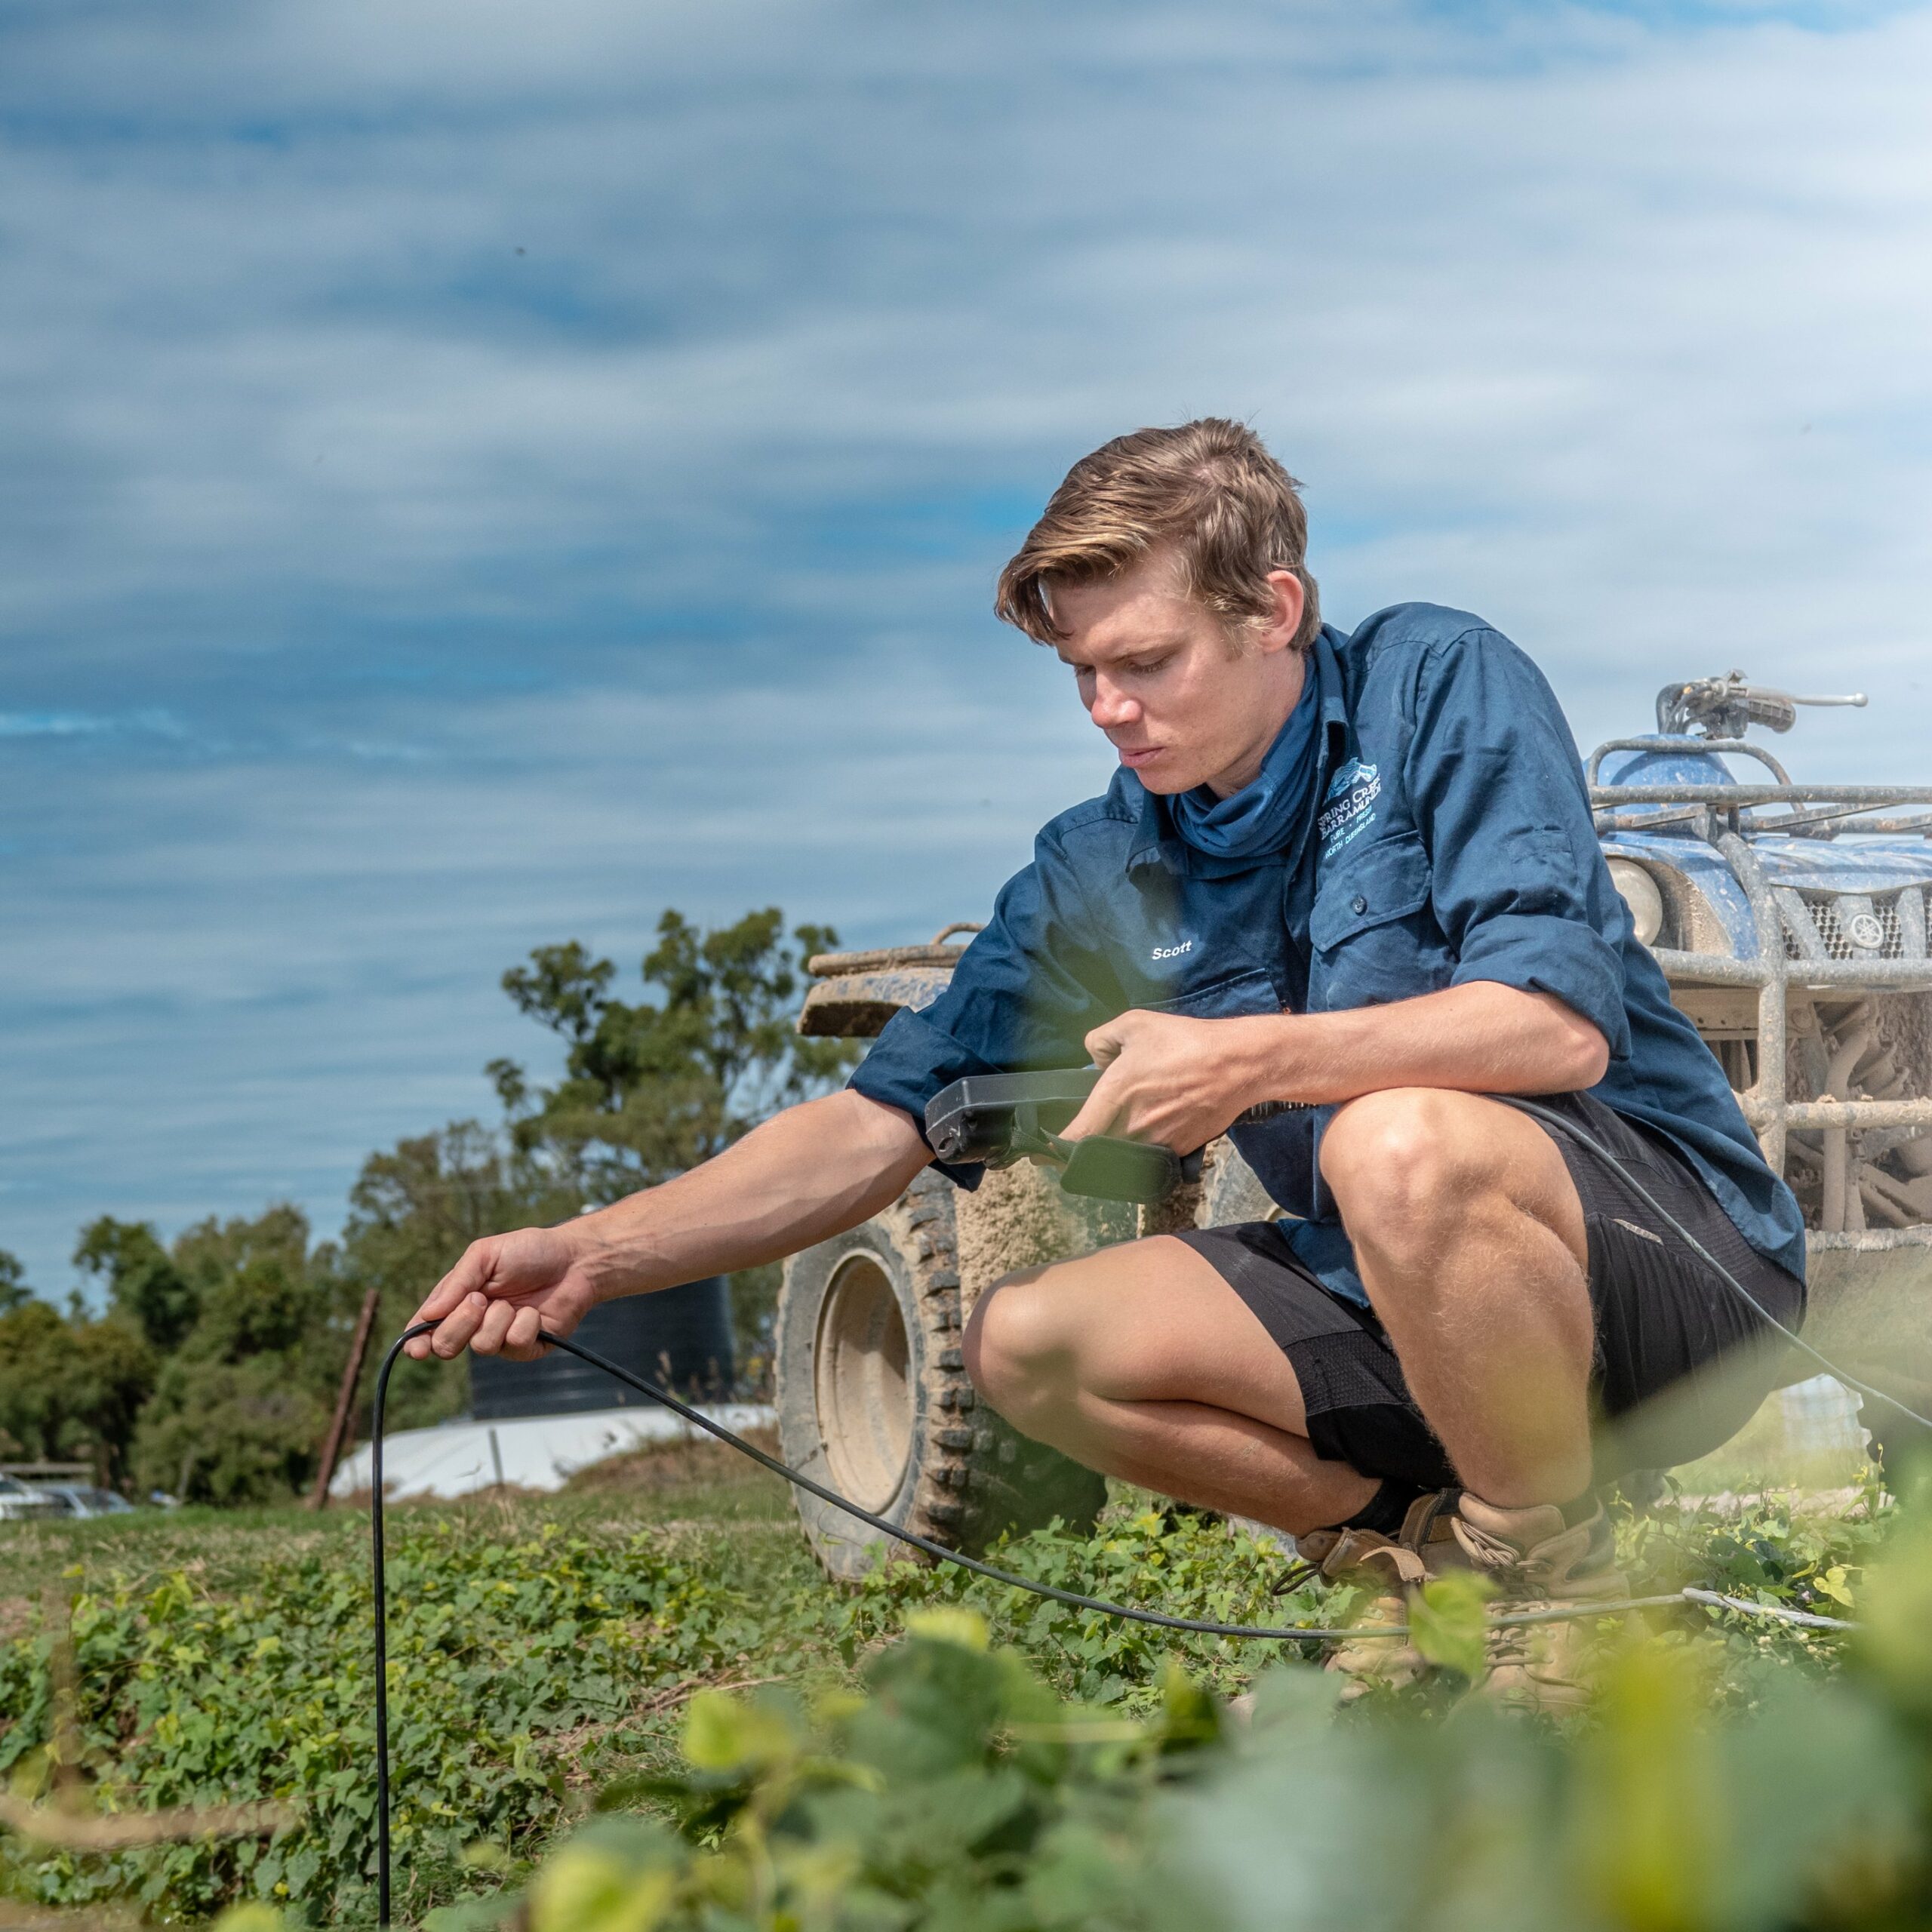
x=1176, y=1081
x=806, y=1174
x=1182, y=1081
x=506, y=1289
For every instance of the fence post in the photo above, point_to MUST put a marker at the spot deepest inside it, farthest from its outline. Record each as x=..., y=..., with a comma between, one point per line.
x=332, y=1444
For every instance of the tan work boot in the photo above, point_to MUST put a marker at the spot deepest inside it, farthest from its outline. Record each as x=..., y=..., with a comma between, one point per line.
x=1424, y=1547
x=1540, y=1563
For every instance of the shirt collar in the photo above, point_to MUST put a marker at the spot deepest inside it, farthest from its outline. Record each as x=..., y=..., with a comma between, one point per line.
x=1155, y=840
x=1334, y=699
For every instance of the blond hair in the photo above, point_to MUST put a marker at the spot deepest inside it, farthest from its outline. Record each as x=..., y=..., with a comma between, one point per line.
x=1209, y=490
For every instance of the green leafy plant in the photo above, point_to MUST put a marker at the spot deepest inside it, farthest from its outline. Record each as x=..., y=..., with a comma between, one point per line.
x=572, y=1744
x=188, y=1699
x=960, y=1794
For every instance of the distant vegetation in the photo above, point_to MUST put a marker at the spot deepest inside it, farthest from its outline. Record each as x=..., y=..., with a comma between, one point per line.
x=209, y=1366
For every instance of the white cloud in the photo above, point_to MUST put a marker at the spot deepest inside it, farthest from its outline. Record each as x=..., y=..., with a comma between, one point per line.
x=492, y=597
x=86, y=723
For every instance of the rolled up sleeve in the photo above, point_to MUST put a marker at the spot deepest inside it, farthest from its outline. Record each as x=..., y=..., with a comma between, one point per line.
x=1017, y=1002
x=1520, y=887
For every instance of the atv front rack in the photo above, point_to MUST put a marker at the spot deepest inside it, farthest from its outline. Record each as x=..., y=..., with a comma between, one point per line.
x=1727, y=817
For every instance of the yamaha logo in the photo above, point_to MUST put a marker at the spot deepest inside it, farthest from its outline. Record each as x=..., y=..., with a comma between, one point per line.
x=1866, y=930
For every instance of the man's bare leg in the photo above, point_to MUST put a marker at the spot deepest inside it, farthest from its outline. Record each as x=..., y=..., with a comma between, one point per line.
x=1469, y=1238
x=1141, y=1361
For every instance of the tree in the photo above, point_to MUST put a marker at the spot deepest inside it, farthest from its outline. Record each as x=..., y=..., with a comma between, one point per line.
x=144, y=1283
x=13, y=1289
x=239, y=1407
x=651, y=1090
x=212, y=1373
x=71, y=1389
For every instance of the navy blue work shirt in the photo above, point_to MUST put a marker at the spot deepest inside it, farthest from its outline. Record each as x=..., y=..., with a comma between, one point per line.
x=1451, y=841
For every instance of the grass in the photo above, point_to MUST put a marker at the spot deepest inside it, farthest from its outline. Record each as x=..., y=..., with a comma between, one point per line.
x=224, y=1550
x=646, y=1581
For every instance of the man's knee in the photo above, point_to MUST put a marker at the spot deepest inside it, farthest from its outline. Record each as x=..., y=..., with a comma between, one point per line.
x=1016, y=1349
x=1407, y=1163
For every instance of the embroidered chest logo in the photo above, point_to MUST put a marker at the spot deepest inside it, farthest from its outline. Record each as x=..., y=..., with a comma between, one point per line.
x=1173, y=952
x=1349, y=809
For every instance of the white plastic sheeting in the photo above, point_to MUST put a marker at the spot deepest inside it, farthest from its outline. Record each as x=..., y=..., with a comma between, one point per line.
x=533, y=1452
x=1820, y=1415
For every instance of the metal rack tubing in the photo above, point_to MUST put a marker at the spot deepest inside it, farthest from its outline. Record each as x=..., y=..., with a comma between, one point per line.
x=1857, y=1116
x=1715, y=814
x=1769, y=1093
x=1740, y=795
x=1796, y=827
x=1853, y=975
x=1694, y=747
x=1767, y=1105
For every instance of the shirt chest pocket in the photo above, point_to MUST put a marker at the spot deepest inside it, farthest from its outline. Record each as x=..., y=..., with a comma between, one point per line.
x=1374, y=936
x=1250, y=991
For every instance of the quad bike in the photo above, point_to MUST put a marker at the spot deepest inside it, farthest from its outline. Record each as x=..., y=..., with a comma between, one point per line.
x=1791, y=921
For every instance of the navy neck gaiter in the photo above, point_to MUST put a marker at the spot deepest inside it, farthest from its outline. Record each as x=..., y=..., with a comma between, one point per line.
x=1263, y=815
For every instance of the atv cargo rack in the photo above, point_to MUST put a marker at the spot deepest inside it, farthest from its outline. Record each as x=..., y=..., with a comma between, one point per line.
x=1790, y=952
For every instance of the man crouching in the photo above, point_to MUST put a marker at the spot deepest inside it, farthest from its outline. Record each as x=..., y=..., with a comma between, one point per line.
x=1354, y=870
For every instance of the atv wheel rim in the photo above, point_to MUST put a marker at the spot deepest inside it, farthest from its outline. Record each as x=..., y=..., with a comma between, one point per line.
x=861, y=1369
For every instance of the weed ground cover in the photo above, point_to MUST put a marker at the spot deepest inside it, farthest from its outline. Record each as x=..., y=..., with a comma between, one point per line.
x=548, y=1649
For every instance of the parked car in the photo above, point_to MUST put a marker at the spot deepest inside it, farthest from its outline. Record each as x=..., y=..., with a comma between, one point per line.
x=70, y=1499
x=18, y=1501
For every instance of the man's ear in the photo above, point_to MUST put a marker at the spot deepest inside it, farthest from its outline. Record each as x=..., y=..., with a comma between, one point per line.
x=1278, y=633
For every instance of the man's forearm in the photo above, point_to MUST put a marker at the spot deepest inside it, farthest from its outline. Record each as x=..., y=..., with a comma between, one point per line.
x=1483, y=1037
x=803, y=1176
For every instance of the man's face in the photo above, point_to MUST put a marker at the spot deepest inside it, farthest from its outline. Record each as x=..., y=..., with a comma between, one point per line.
x=1183, y=703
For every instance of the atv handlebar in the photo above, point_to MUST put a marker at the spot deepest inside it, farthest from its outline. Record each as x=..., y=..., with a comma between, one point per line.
x=1726, y=707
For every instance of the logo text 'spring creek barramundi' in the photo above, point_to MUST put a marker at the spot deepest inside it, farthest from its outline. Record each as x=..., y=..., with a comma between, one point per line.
x=1350, y=809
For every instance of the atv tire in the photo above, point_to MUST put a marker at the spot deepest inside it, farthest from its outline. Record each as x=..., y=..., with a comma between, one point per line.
x=874, y=1401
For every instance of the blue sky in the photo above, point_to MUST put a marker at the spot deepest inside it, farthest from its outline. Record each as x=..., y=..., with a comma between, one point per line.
x=477, y=474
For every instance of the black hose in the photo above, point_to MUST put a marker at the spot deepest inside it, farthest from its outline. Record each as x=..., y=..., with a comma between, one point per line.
x=1195, y=1626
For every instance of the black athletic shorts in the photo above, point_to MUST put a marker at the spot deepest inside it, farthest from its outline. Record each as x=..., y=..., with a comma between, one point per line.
x=1681, y=1361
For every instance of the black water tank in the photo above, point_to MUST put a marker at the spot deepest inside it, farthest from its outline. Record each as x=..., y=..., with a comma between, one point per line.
x=680, y=1337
